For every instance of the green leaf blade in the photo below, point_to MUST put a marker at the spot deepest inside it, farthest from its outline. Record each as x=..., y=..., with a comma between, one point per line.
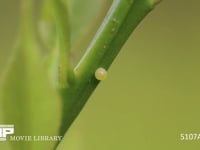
x=28, y=101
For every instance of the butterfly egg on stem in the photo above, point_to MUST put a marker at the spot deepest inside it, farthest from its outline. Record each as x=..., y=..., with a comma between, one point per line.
x=100, y=74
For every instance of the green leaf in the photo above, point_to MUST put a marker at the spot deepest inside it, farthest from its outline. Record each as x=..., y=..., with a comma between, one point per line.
x=27, y=99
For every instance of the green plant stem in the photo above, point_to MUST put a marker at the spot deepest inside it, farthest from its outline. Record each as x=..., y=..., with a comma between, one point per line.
x=121, y=20
x=65, y=72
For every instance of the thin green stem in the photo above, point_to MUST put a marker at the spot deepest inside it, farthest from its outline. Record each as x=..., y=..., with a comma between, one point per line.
x=65, y=73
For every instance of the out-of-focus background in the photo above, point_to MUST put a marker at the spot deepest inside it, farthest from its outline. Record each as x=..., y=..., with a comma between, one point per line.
x=152, y=94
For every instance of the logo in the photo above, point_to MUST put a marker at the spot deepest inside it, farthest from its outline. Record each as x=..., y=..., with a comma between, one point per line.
x=5, y=129
x=8, y=129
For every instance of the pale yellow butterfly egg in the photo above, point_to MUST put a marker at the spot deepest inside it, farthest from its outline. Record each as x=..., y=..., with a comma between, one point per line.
x=101, y=74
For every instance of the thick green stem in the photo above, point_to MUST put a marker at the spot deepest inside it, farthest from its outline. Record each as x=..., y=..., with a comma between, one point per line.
x=121, y=20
